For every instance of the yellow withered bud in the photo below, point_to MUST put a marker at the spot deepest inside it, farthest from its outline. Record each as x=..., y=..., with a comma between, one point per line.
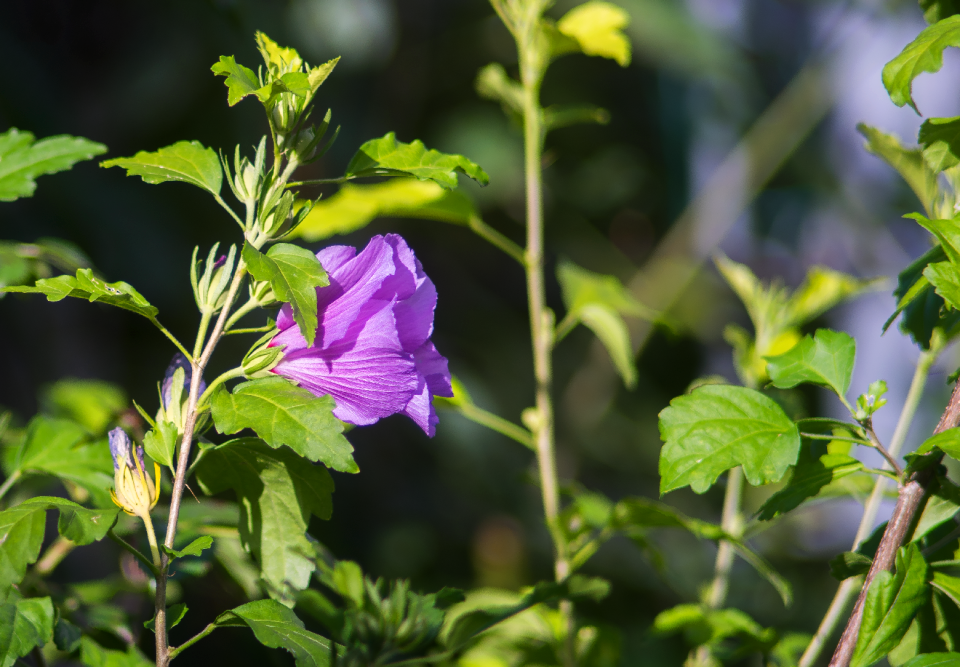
x=134, y=491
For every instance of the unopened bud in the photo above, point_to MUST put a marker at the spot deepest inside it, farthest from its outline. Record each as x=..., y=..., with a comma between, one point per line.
x=263, y=357
x=134, y=492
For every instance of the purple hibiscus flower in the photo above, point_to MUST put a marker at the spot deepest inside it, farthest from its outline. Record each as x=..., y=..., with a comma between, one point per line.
x=372, y=352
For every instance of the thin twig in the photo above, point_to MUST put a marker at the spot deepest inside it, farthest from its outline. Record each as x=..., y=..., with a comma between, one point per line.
x=875, y=442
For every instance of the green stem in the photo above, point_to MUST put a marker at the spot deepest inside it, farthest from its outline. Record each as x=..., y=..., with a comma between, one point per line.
x=9, y=482
x=263, y=329
x=54, y=555
x=229, y=375
x=174, y=652
x=821, y=436
x=173, y=339
x=229, y=210
x=250, y=305
x=201, y=334
x=133, y=551
x=152, y=539
x=488, y=233
x=322, y=181
x=849, y=588
x=567, y=324
x=497, y=423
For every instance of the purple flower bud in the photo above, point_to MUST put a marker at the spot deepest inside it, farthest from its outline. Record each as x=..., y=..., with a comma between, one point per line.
x=121, y=449
x=178, y=361
x=373, y=351
x=216, y=265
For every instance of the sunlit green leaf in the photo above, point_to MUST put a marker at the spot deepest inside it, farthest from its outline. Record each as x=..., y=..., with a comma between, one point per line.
x=946, y=232
x=908, y=162
x=195, y=548
x=825, y=359
x=945, y=278
x=21, y=531
x=240, y=81
x=89, y=287
x=815, y=469
x=24, y=624
x=942, y=505
x=278, y=492
x=175, y=614
x=160, y=443
x=597, y=27
x=891, y=603
x=283, y=414
x=186, y=161
x=707, y=626
x=948, y=441
x=935, y=660
x=821, y=290
x=22, y=160
x=94, y=655
x=718, y=427
x=356, y=206
x=389, y=156
x=940, y=138
x=295, y=274
x=923, y=54
x=93, y=404
x=63, y=448
x=276, y=626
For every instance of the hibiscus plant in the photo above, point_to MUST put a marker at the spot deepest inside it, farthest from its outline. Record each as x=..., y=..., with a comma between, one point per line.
x=341, y=338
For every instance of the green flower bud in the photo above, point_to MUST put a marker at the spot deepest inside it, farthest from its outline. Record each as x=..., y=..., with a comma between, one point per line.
x=210, y=290
x=262, y=357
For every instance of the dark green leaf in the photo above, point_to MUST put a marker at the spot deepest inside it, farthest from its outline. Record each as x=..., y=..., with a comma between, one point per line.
x=295, y=274
x=24, y=624
x=22, y=160
x=63, y=448
x=923, y=54
x=388, y=156
x=849, y=564
x=356, y=206
x=891, y=603
x=240, y=81
x=935, y=660
x=718, y=427
x=815, y=469
x=283, y=414
x=66, y=635
x=937, y=10
x=175, y=614
x=21, y=531
x=945, y=279
x=940, y=138
x=278, y=492
x=186, y=161
x=922, y=307
x=825, y=359
x=946, y=232
x=908, y=162
x=89, y=287
x=195, y=548
x=277, y=627
x=94, y=655
x=941, y=506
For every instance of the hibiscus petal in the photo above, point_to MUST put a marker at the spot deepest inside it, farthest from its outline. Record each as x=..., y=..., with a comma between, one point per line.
x=434, y=368
x=420, y=409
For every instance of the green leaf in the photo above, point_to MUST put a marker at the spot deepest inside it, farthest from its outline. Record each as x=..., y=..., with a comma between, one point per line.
x=89, y=287
x=825, y=359
x=195, y=548
x=22, y=160
x=597, y=27
x=815, y=469
x=175, y=614
x=935, y=660
x=93, y=404
x=946, y=232
x=942, y=504
x=276, y=626
x=186, y=161
x=66, y=635
x=295, y=274
x=160, y=443
x=240, y=81
x=63, y=448
x=388, y=156
x=922, y=308
x=356, y=206
x=598, y=301
x=849, y=564
x=908, y=162
x=891, y=603
x=493, y=83
x=709, y=626
x=940, y=138
x=284, y=414
x=821, y=290
x=718, y=427
x=937, y=10
x=923, y=54
x=21, y=532
x=945, y=279
x=24, y=624
x=94, y=655
x=948, y=441
x=278, y=492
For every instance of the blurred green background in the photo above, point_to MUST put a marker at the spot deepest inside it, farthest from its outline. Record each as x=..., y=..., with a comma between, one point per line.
x=733, y=129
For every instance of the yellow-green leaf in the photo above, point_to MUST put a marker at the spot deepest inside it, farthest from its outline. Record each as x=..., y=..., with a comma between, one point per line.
x=597, y=27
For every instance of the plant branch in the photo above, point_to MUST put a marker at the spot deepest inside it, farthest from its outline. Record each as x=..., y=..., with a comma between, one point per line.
x=54, y=555
x=497, y=423
x=875, y=443
x=251, y=304
x=174, y=652
x=173, y=339
x=491, y=235
x=229, y=210
x=9, y=482
x=848, y=589
x=909, y=501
